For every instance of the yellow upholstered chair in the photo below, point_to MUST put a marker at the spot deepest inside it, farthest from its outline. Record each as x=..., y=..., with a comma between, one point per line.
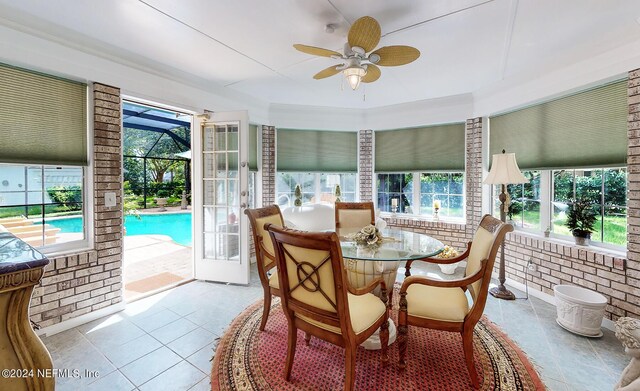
x=443, y=305
x=351, y=217
x=317, y=299
x=265, y=254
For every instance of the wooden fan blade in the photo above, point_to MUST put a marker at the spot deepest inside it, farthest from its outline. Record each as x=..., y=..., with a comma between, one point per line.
x=316, y=51
x=373, y=74
x=326, y=72
x=391, y=56
x=365, y=33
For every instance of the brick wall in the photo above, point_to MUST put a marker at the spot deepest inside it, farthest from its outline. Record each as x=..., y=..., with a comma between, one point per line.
x=473, y=174
x=78, y=283
x=268, y=165
x=365, y=165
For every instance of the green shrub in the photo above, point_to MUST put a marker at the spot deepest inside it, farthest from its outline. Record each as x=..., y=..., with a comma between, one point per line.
x=68, y=196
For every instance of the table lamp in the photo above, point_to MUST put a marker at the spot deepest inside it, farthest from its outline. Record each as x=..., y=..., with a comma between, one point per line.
x=504, y=171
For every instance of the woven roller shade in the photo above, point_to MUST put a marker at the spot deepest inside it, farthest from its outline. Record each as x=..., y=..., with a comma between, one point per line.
x=316, y=151
x=253, y=147
x=43, y=119
x=588, y=129
x=432, y=148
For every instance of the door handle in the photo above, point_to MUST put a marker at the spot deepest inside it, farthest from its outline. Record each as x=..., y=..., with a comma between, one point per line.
x=243, y=193
x=243, y=205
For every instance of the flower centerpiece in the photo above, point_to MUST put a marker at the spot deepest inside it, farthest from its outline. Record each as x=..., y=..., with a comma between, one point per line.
x=448, y=252
x=368, y=236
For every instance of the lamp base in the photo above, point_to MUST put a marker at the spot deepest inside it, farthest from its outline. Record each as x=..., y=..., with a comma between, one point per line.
x=500, y=292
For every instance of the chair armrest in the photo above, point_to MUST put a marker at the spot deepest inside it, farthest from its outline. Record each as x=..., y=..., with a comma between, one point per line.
x=265, y=253
x=463, y=283
x=459, y=258
x=443, y=261
x=366, y=289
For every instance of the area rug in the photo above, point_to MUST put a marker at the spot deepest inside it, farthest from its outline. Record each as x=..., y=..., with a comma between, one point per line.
x=248, y=359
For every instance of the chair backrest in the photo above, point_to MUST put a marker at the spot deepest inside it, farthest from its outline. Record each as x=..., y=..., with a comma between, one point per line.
x=351, y=217
x=486, y=241
x=312, y=278
x=265, y=253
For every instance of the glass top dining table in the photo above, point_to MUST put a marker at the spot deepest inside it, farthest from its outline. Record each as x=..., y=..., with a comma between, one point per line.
x=397, y=245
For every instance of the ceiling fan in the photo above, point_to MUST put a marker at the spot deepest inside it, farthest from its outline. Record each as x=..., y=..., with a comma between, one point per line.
x=358, y=66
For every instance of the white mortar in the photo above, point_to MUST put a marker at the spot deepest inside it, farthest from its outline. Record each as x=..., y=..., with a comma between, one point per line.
x=580, y=310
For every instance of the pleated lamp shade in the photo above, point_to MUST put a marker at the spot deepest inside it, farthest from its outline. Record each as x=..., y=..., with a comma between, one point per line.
x=505, y=170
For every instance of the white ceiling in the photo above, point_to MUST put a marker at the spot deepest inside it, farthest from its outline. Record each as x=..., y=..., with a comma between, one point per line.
x=246, y=45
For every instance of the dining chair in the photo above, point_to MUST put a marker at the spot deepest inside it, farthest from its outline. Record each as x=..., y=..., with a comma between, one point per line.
x=265, y=254
x=351, y=217
x=443, y=305
x=317, y=299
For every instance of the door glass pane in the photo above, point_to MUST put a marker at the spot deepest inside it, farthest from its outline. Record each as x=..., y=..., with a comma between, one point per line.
x=222, y=196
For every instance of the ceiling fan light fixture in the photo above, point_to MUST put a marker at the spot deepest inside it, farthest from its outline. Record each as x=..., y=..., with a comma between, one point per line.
x=353, y=75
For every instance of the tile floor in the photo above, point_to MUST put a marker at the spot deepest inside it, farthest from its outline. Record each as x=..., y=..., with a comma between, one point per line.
x=165, y=342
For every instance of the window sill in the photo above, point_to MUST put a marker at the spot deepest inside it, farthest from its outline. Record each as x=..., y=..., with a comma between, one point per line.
x=66, y=251
x=428, y=219
x=567, y=242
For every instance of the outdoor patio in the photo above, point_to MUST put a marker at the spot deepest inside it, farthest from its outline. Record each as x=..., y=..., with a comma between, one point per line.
x=152, y=262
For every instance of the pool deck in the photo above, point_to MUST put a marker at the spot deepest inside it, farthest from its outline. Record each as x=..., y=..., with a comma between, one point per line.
x=152, y=262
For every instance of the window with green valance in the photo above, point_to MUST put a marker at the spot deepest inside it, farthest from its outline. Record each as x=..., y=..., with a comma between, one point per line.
x=253, y=147
x=43, y=119
x=429, y=148
x=587, y=129
x=316, y=151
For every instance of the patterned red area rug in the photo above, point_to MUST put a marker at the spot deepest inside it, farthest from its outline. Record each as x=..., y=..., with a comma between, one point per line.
x=248, y=359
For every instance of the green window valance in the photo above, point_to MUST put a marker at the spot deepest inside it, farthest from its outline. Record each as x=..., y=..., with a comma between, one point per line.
x=43, y=119
x=587, y=129
x=430, y=148
x=253, y=147
x=316, y=151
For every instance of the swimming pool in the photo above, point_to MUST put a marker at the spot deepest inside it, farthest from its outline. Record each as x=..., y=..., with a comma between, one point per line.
x=175, y=225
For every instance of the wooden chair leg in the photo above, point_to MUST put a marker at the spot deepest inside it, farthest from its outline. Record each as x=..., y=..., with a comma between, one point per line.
x=266, y=308
x=291, y=351
x=350, y=367
x=384, y=331
x=467, y=344
x=403, y=331
x=307, y=338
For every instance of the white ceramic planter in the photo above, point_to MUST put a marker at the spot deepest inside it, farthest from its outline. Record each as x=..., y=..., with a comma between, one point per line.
x=448, y=268
x=580, y=310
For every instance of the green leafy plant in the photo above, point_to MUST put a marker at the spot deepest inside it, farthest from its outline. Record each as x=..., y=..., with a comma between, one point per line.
x=581, y=217
x=69, y=196
x=298, y=194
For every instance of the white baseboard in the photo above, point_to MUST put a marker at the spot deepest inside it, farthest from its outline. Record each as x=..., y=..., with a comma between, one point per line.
x=606, y=323
x=80, y=320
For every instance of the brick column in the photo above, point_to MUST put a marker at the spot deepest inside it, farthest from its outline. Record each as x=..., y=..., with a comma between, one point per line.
x=78, y=283
x=268, y=165
x=365, y=164
x=473, y=174
x=633, y=187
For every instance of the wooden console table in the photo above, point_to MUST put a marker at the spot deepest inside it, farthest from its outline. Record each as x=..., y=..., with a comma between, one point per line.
x=25, y=363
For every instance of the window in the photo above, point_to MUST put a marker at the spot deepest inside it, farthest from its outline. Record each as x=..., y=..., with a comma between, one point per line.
x=543, y=202
x=421, y=189
x=316, y=187
x=524, y=208
x=607, y=191
x=446, y=188
x=43, y=205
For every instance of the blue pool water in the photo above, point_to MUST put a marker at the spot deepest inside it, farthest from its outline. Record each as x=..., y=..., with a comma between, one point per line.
x=176, y=225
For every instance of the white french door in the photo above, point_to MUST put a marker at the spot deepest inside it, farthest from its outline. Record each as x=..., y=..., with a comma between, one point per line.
x=221, y=239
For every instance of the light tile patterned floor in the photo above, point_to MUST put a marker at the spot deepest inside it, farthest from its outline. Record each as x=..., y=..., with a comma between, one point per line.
x=164, y=342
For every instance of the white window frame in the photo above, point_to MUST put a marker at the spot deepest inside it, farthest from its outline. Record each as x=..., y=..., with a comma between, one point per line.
x=546, y=211
x=416, y=193
x=317, y=192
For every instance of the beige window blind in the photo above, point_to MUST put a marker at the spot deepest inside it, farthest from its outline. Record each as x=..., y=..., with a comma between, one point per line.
x=43, y=119
x=431, y=148
x=587, y=129
x=316, y=151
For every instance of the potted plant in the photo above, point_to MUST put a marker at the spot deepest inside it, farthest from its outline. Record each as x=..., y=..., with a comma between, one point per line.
x=580, y=220
x=298, y=194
